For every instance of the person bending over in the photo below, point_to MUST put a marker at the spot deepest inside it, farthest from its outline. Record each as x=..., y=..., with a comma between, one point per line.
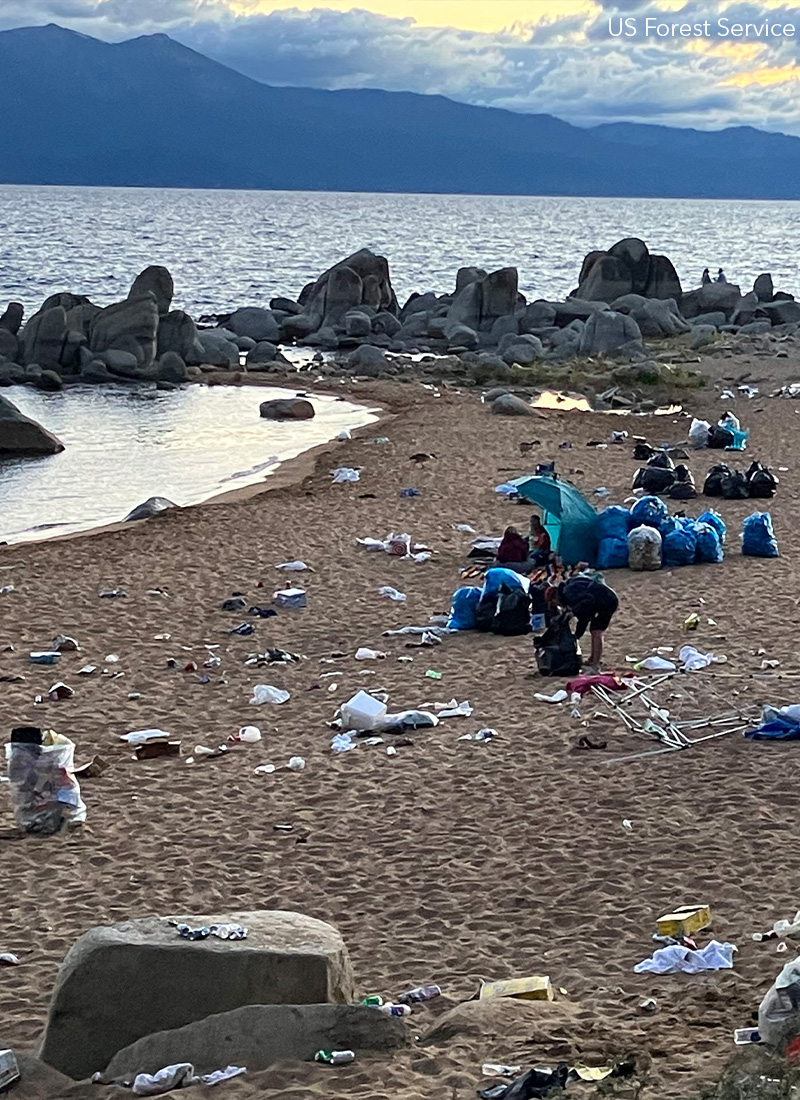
x=593, y=604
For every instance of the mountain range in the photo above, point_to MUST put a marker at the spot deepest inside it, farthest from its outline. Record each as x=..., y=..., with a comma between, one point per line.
x=151, y=112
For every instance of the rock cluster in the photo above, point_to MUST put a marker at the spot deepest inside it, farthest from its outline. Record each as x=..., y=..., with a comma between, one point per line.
x=625, y=296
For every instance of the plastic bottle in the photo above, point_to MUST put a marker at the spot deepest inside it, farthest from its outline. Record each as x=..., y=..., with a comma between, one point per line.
x=335, y=1057
x=373, y=1001
x=420, y=994
x=395, y=1010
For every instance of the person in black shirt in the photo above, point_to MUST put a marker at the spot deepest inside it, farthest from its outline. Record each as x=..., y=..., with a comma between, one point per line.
x=593, y=604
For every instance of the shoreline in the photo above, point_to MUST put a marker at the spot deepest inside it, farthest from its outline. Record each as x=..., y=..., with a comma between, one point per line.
x=283, y=473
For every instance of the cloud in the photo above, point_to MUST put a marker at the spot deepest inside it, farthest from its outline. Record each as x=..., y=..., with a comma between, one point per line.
x=566, y=65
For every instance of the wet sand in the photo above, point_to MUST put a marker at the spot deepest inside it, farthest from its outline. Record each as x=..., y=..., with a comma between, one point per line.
x=452, y=861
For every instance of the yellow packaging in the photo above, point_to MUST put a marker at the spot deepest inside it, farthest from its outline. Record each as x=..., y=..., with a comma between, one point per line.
x=525, y=989
x=685, y=920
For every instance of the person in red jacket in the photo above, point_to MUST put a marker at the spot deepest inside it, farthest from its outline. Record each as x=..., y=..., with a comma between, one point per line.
x=513, y=549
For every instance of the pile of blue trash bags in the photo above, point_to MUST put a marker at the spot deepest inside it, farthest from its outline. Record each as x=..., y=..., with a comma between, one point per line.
x=646, y=536
x=683, y=541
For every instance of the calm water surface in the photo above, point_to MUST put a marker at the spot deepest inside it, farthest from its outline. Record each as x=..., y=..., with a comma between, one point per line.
x=124, y=445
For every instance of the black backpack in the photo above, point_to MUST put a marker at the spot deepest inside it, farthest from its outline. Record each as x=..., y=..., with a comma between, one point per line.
x=513, y=613
x=557, y=650
x=761, y=482
x=643, y=452
x=484, y=611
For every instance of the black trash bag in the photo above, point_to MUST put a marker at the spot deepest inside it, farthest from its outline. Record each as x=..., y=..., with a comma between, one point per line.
x=761, y=481
x=653, y=479
x=735, y=486
x=513, y=612
x=662, y=461
x=557, y=650
x=536, y=1084
x=485, y=611
x=719, y=438
x=712, y=486
x=643, y=452
x=683, y=488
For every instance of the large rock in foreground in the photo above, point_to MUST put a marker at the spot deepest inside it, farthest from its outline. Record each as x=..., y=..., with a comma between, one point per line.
x=122, y=982
x=259, y=1035
x=19, y=435
x=287, y=408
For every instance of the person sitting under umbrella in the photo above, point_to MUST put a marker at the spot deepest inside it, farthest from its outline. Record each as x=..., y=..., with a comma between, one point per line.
x=513, y=550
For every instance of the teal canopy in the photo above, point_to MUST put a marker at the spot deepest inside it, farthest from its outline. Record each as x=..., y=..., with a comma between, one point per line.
x=569, y=518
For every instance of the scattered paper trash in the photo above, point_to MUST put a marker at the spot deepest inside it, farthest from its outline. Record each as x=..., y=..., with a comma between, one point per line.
x=655, y=664
x=676, y=959
x=364, y=653
x=556, y=697
x=296, y=764
x=343, y=742
x=392, y=593
x=536, y=988
x=345, y=474
x=141, y=737
x=179, y=1076
x=293, y=566
x=454, y=710
x=266, y=693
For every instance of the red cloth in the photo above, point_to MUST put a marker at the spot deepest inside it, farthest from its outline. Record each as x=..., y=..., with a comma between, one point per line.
x=609, y=680
x=512, y=548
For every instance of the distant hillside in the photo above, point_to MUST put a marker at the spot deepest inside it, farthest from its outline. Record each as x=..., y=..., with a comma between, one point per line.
x=150, y=112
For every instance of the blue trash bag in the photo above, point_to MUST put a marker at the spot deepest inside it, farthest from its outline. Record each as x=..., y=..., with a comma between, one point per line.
x=612, y=553
x=758, y=537
x=650, y=512
x=495, y=578
x=715, y=520
x=709, y=545
x=679, y=546
x=462, y=612
x=613, y=522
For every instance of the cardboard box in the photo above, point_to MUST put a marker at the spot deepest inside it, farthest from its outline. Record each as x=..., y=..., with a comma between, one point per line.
x=685, y=921
x=526, y=989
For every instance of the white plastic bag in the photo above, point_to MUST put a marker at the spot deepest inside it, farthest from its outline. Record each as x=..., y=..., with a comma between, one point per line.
x=344, y=474
x=391, y=593
x=644, y=549
x=698, y=433
x=44, y=791
x=266, y=693
x=292, y=566
x=779, y=1012
x=730, y=422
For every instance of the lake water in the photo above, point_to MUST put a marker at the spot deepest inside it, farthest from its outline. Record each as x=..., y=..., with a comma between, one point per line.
x=235, y=248
x=124, y=445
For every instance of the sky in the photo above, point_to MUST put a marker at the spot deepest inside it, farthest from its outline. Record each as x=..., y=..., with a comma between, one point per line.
x=545, y=56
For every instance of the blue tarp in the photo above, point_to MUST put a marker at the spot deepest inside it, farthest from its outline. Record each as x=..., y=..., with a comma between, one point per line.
x=777, y=729
x=569, y=518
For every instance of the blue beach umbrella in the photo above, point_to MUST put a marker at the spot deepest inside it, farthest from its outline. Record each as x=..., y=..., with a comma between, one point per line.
x=569, y=518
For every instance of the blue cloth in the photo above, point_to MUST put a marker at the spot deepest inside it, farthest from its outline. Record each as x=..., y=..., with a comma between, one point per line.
x=612, y=553
x=462, y=612
x=758, y=537
x=497, y=577
x=777, y=729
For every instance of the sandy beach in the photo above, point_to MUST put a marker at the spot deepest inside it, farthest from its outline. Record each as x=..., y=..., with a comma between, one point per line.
x=452, y=861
